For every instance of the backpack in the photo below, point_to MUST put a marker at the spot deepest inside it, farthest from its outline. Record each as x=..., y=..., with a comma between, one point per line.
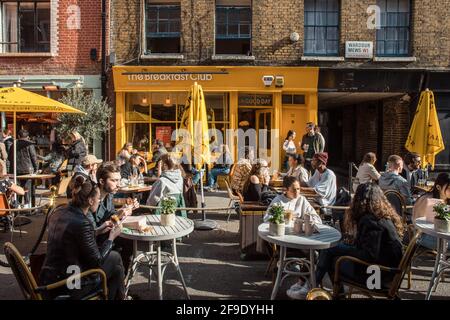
x=343, y=198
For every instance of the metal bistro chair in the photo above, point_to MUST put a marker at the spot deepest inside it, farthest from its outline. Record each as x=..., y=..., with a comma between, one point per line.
x=388, y=290
x=29, y=287
x=234, y=199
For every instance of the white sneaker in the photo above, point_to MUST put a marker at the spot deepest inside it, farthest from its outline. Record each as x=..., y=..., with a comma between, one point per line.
x=299, y=294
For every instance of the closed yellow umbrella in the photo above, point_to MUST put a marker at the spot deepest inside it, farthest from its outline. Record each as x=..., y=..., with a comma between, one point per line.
x=14, y=99
x=425, y=137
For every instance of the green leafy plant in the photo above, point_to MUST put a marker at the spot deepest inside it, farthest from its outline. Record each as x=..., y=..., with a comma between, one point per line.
x=277, y=214
x=168, y=205
x=90, y=125
x=442, y=211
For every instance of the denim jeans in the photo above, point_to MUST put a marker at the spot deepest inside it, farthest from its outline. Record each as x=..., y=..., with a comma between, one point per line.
x=195, y=176
x=328, y=257
x=214, y=173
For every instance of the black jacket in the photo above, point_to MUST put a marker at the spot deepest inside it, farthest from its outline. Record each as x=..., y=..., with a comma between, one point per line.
x=26, y=156
x=8, y=143
x=127, y=170
x=71, y=241
x=377, y=241
x=76, y=153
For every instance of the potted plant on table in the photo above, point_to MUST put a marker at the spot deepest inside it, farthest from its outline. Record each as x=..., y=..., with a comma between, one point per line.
x=168, y=208
x=276, y=221
x=442, y=218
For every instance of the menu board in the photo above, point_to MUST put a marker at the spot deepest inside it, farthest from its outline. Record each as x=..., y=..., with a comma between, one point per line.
x=164, y=133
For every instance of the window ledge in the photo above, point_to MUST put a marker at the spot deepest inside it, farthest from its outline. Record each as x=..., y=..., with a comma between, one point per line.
x=322, y=58
x=394, y=59
x=26, y=54
x=232, y=57
x=162, y=56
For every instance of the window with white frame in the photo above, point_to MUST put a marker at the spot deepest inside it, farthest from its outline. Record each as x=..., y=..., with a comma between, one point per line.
x=24, y=26
x=321, y=28
x=233, y=27
x=162, y=26
x=394, y=33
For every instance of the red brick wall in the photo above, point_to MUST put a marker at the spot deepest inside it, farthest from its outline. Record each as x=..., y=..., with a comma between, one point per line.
x=73, y=54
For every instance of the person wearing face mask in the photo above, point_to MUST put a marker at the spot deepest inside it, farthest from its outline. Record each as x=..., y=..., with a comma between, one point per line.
x=424, y=205
x=72, y=242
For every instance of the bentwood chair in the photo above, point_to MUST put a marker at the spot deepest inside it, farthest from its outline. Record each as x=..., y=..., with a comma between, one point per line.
x=397, y=200
x=233, y=199
x=29, y=287
x=389, y=289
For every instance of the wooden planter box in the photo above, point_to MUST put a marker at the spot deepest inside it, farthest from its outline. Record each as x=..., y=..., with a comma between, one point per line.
x=251, y=216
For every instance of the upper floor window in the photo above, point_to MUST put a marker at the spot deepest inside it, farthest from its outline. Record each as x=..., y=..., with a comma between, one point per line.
x=24, y=26
x=233, y=28
x=393, y=35
x=163, y=25
x=321, y=27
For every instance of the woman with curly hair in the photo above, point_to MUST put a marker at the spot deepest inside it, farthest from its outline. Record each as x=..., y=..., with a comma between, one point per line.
x=377, y=230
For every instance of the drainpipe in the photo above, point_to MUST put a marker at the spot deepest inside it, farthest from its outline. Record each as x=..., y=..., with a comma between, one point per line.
x=103, y=71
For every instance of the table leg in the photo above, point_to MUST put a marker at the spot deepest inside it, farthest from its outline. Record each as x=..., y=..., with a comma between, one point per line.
x=279, y=273
x=312, y=269
x=177, y=265
x=435, y=271
x=132, y=268
x=158, y=257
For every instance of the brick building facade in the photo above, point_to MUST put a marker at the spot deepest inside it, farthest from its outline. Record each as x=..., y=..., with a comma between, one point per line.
x=364, y=104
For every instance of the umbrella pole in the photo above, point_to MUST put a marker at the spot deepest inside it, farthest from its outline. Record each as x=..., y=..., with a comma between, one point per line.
x=15, y=148
x=204, y=224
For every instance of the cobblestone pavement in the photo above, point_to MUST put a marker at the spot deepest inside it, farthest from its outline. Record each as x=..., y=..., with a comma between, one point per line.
x=212, y=266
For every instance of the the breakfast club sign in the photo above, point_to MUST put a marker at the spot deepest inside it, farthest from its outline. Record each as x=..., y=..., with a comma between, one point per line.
x=158, y=77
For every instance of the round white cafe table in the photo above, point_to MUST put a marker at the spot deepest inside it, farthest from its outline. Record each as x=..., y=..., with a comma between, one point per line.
x=441, y=264
x=152, y=258
x=327, y=237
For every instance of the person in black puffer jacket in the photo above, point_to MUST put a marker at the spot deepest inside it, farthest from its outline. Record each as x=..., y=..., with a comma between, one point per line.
x=378, y=231
x=72, y=242
x=77, y=151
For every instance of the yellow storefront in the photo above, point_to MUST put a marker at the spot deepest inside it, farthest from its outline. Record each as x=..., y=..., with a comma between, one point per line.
x=150, y=100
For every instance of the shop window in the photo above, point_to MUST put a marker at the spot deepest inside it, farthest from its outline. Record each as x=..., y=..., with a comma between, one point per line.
x=138, y=134
x=293, y=99
x=233, y=28
x=394, y=34
x=24, y=26
x=163, y=25
x=321, y=27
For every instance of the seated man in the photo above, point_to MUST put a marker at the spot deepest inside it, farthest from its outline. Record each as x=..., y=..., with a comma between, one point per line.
x=221, y=167
x=392, y=180
x=132, y=167
x=323, y=181
x=87, y=168
x=411, y=170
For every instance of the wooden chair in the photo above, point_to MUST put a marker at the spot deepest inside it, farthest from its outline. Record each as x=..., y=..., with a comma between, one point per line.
x=318, y=294
x=389, y=290
x=57, y=194
x=397, y=200
x=233, y=199
x=29, y=287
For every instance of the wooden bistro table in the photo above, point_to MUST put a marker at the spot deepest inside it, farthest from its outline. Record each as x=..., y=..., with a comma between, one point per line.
x=441, y=264
x=326, y=238
x=34, y=178
x=152, y=258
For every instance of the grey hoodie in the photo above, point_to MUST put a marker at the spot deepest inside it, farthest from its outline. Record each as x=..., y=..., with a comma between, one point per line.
x=393, y=181
x=170, y=183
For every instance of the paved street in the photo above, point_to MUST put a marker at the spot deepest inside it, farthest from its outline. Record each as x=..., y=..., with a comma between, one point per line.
x=211, y=264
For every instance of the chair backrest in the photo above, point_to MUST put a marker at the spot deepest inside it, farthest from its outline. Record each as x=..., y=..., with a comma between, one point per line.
x=23, y=275
x=404, y=264
x=4, y=204
x=397, y=200
x=62, y=186
x=230, y=192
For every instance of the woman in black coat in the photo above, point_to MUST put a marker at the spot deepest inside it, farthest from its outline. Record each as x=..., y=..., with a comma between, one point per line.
x=72, y=244
x=77, y=150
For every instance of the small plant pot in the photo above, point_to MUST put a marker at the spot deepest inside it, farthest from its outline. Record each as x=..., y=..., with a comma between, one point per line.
x=168, y=220
x=277, y=230
x=441, y=225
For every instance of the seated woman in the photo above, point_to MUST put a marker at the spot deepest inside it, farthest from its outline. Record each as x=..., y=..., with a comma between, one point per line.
x=71, y=242
x=292, y=200
x=256, y=183
x=424, y=205
x=378, y=232
x=367, y=171
x=9, y=188
x=170, y=183
x=296, y=164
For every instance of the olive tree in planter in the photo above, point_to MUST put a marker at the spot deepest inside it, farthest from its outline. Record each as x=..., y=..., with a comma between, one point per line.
x=168, y=208
x=442, y=218
x=90, y=125
x=276, y=220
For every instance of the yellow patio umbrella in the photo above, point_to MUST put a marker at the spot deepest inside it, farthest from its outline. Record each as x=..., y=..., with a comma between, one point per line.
x=195, y=121
x=425, y=137
x=14, y=99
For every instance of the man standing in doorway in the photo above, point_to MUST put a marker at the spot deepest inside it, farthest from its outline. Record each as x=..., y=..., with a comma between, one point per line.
x=311, y=144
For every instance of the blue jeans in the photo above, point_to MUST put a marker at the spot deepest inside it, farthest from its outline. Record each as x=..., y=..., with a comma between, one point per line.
x=328, y=257
x=214, y=173
x=195, y=176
